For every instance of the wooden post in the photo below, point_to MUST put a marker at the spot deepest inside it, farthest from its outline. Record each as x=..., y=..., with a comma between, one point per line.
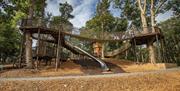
x=45, y=46
x=58, y=47
x=142, y=57
x=54, y=53
x=37, y=51
x=159, y=52
x=126, y=56
x=21, y=50
x=140, y=54
x=135, y=51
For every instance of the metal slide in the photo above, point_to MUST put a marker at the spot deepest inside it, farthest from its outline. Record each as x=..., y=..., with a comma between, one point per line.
x=103, y=65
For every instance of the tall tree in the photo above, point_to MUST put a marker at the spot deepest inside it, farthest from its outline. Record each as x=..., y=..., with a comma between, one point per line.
x=129, y=10
x=28, y=47
x=104, y=22
x=142, y=7
x=170, y=29
x=146, y=8
x=10, y=13
x=9, y=41
x=65, y=10
x=156, y=7
x=40, y=8
x=142, y=4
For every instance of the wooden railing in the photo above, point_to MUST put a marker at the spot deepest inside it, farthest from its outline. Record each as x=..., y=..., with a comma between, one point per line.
x=33, y=23
x=108, y=35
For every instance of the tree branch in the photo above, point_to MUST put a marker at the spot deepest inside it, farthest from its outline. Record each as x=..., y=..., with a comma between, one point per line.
x=152, y=3
x=160, y=5
x=144, y=8
x=139, y=4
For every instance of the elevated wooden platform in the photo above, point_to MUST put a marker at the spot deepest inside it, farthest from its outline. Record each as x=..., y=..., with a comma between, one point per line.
x=137, y=39
x=145, y=38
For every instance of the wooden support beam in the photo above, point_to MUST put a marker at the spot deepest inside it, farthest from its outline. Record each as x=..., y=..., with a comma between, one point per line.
x=159, y=51
x=37, y=51
x=21, y=50
x=58, y=51
x=135, y=54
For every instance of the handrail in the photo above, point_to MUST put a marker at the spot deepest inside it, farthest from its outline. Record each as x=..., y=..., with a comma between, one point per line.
x=110, y=36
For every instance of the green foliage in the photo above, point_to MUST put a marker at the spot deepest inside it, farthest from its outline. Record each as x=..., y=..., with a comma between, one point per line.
x=21, y=5
x=9, y=41
x=104, y=21
x=102, y=7
x=129, y=10
x=63, y=20
x=171, y=26
x=40, y=7
x=120, y=24
x=96, y=22
x=170, y=29
x=10, y=7
x=174, y=5
x=58, y=20
x=11, y=12
x=66, y=10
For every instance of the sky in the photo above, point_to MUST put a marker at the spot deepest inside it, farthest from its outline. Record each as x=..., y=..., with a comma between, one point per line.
x=84, y=10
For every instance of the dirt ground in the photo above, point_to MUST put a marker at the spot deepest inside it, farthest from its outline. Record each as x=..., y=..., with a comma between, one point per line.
x=158, y=81
x=120, y=81
x=84, y=67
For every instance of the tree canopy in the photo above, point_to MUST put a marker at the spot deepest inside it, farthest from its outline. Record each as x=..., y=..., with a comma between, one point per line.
x=174, y=5
x=65, y=10
x=105, y=21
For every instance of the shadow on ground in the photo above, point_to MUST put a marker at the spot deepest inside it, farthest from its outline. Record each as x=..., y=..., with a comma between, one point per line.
x=92, y=67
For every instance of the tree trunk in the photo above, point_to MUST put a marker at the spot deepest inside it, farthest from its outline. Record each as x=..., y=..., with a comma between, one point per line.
x=153, y=22
x=29, y=50
x=152, y=53
x=42, y=44
x=152, y=16
x=144, y=23
x=31, y=9
x=102, y=37
x=150, y=46
x=43, y=8
x=143, y=15
x=102, y=51
x=126, y=56
x=29, y=39
x=152, y=57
